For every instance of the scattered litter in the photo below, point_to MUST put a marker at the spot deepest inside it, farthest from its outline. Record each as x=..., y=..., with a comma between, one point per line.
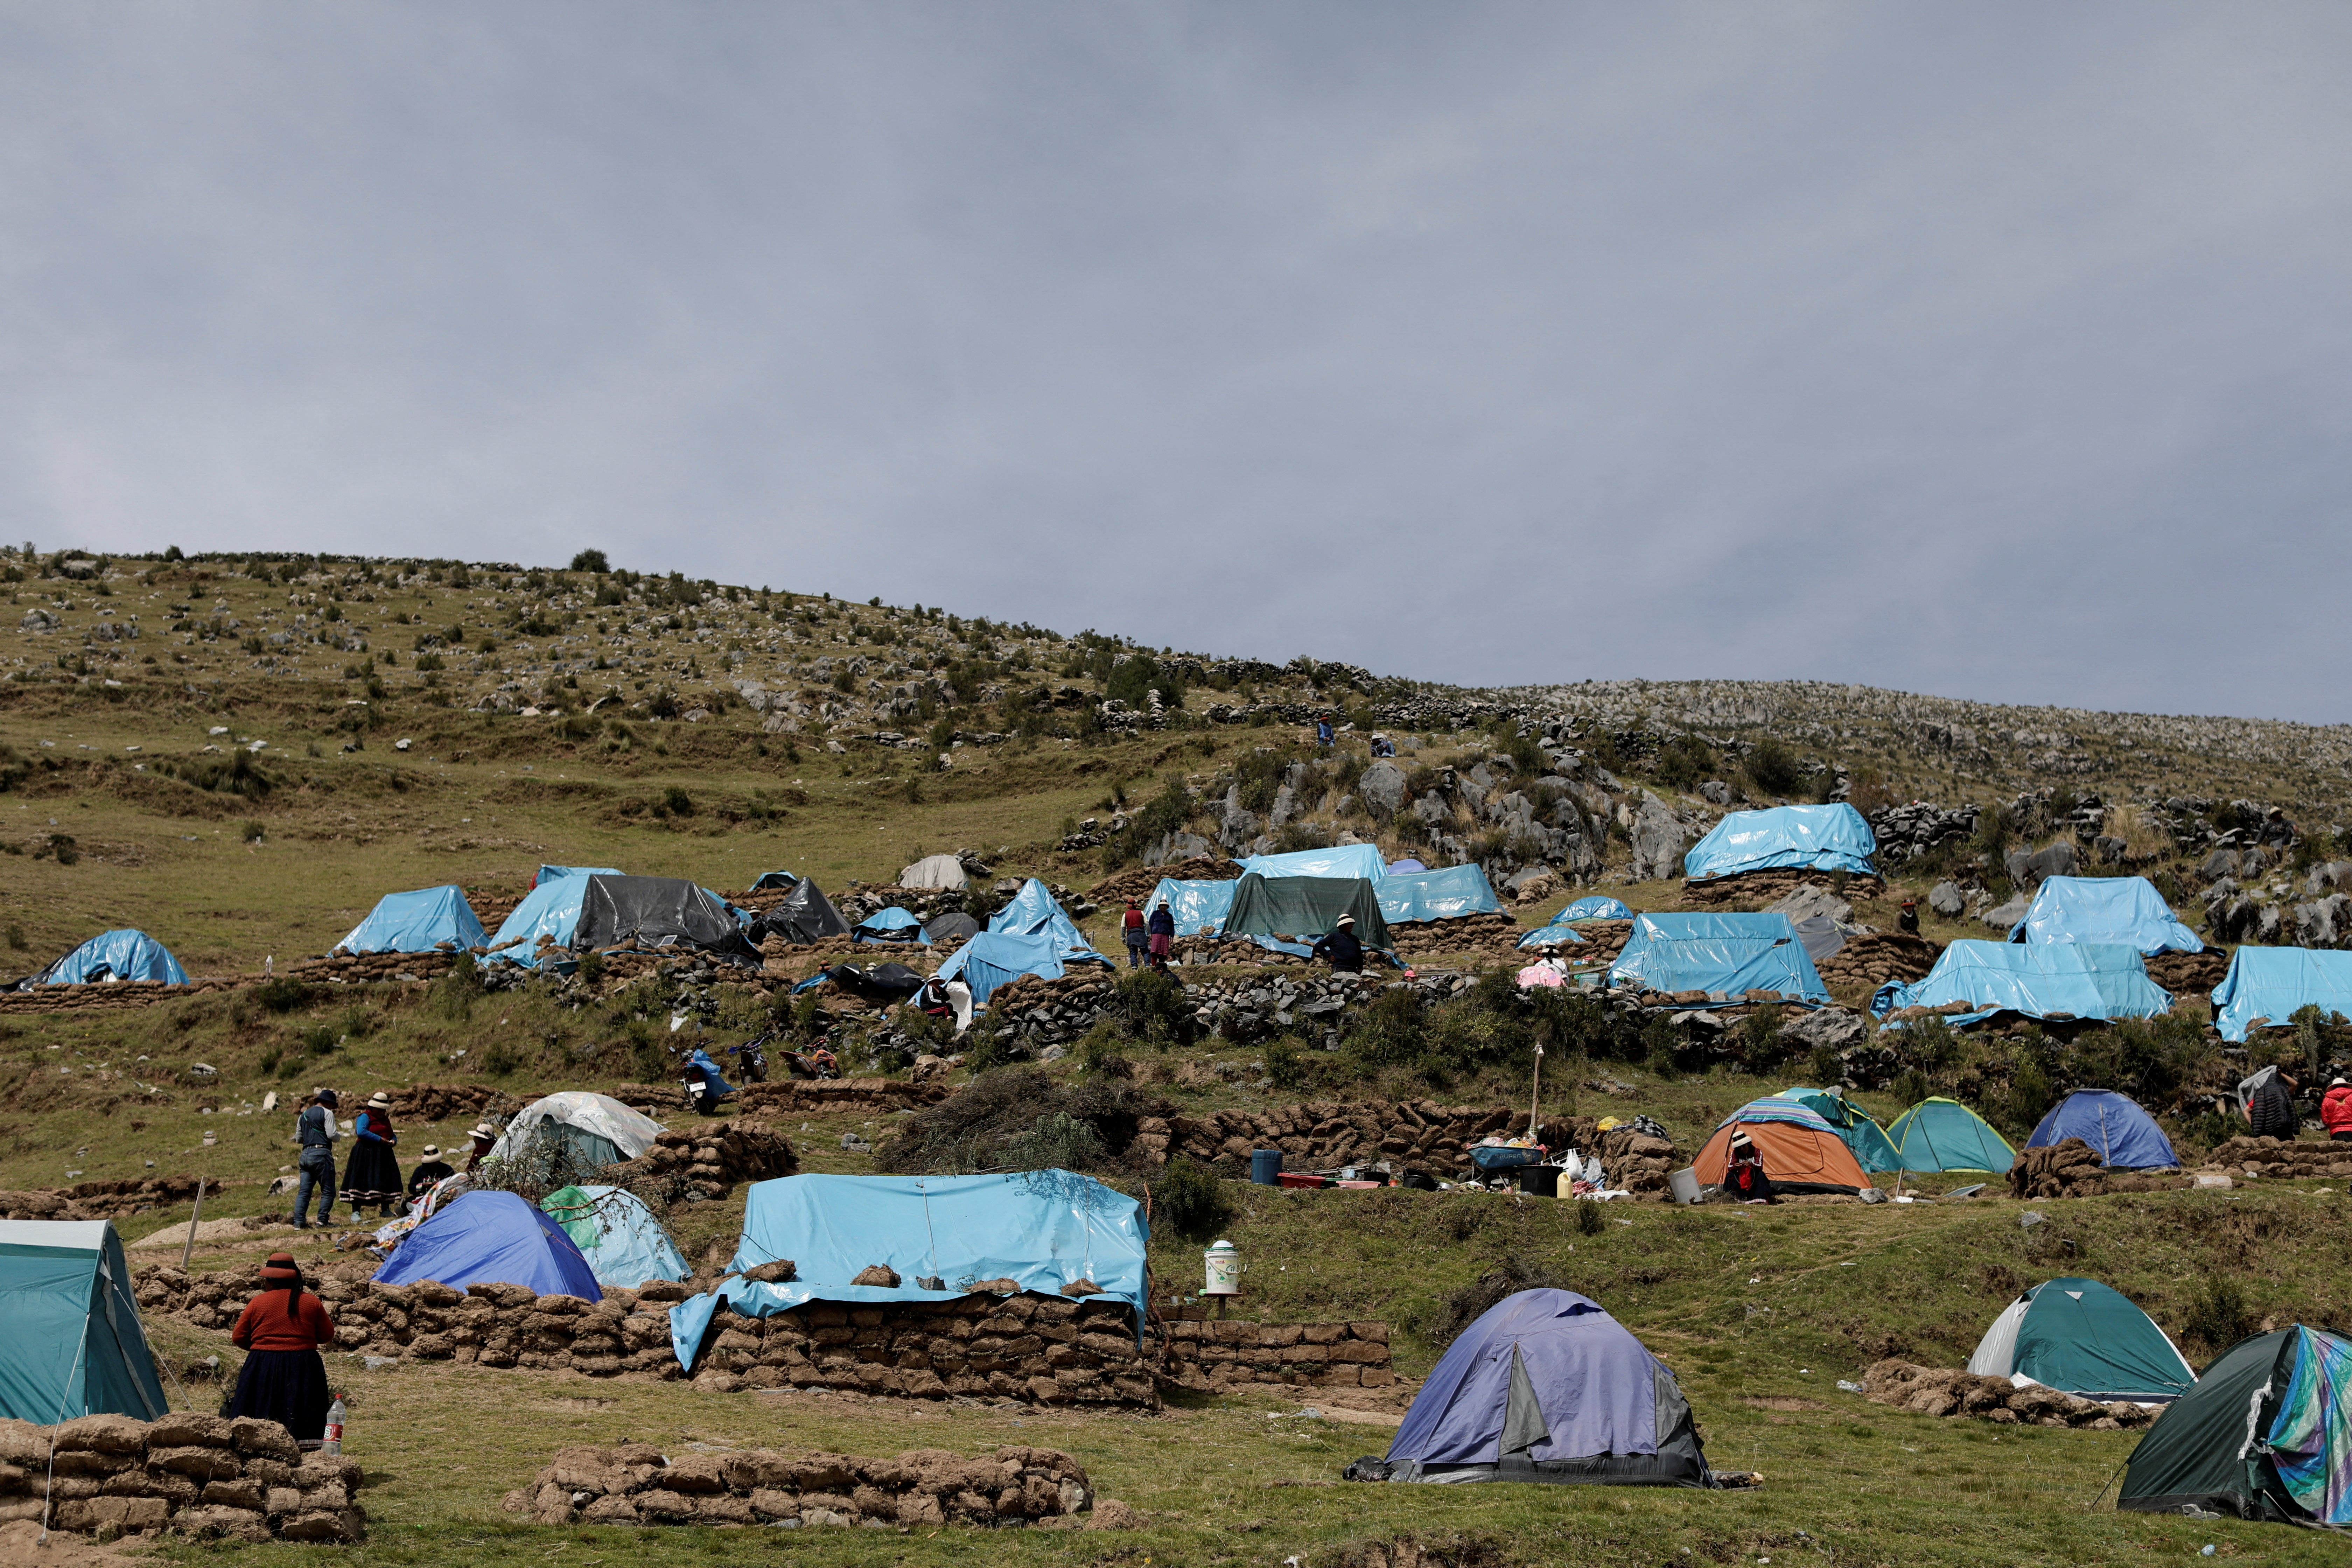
x=1850, y=1387
x=2031, y=1218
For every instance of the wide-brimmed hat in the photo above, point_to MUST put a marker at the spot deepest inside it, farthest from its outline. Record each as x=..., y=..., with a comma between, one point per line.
x=279, y=1268
x=431, y=1150
x=327, y=1097
x=485, y=1129
x=1347, y=919
x=378, y=1100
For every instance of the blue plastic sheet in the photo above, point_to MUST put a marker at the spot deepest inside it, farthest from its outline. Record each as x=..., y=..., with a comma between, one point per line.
x=2073, y=979
x=893, y=918
x=2124, y=1136
x=492, y=1239
x=550, y=908
x=1198, y=907
x=2127, y=911
x=1408, y=864
x=417, y=923
x=1725, y=955
x=125, y=954
x=994, y=959
x=1340, y=860
x=1034, y=910
x=550, y=873
x=769, y=879
x=2270, y=983
x=1594, y=907
x=1814, y=837
x=1560, y=934
x=1436, y=895
x=1042, y=1229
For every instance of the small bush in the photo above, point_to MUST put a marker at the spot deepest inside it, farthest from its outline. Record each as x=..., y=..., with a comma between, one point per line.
x=500, y=1057
x=1589, y=1220
x=320, y=1040
x=282, y=994
x=1100, y=1054
x=1190, y=1200
x=254, y=832
x=1056, y=1140
x=1285, y=1064
x=17, y=938
x=1909, y=1088
x=1773, y=768
x=1152, y=1007
x=2217, y=1315
x=678, y=802
x=454, y=994
x=1826, y=1066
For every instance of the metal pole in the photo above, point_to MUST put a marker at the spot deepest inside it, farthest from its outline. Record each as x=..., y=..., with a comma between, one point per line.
x=190, y=1246
x=1535, y=1097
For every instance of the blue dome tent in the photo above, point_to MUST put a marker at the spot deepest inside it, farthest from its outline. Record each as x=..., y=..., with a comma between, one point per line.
x=625, y=1245
x=1546, y=1387
x=125, y=954
x=2124, y=1136
x=492, y=1239
x=76, y=1346
x=2086, y=1339
x=425, y=921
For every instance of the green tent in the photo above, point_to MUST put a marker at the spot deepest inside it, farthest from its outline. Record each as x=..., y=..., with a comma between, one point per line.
x=2264, y=1436
x=1306, y=907
x=1871, y=1149
x=76, y=1346
x=2086, y=1339
x=1939, y=1134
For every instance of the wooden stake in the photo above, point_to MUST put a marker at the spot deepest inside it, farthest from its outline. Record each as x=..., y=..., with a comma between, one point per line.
x=190, y=1246
x=1535, y=1097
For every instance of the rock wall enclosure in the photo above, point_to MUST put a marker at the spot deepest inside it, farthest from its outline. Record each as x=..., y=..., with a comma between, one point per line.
x=188, y=1473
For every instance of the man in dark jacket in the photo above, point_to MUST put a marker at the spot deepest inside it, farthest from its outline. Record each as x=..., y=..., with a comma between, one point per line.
x=1346, y=953
x=315, y=1132
x=2270, y=1110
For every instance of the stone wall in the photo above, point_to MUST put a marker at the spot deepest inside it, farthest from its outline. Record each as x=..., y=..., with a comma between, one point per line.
x=193, y=1474
x=2280, y=1158
x=1408, y=1134
x=1215, y=1355
x=635, y=1483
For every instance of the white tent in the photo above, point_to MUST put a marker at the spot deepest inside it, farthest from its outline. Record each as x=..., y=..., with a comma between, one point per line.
x=597, y=1115
x=933, y=871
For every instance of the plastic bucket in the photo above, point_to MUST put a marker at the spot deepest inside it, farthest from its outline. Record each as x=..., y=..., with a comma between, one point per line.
x=1685, y=1183
x=1266, y=1167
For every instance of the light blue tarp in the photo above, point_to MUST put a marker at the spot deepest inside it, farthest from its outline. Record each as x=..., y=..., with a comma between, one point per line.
x=491, y=1238
x=2073, y=979
x=774, y=880
x=1723, y=954
x=549, y=909
x=417, y=923
x=1562, y=927
x=890, y=919
x=1199, y=908
x=2124, y=1136
x=2270, y=983
x=1435, y=895
x=623, y=1243
x=553, y=873
x=1813, y=838
x=1408, y=864
x=994, y=959
x=1042, y=1229
x=1340, y=860
x=124, y=955
x=1034, y=910
x=2126, y=911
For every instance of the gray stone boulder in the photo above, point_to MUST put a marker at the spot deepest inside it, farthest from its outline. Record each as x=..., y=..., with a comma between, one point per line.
x=1177, y=847
x=1945, y=898
x=1238, y=825
x=2220, y=864
x=1658, y=839
x=2030, y=869
x=1714, y=792
x=2336, y=876
x=1839, y=1028
x=1810, y=902
x=2324, y=922
x=1383, y=790
x=2007, y=914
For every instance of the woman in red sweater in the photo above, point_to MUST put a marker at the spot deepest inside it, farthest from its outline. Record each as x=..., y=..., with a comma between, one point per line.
x=280, y=1330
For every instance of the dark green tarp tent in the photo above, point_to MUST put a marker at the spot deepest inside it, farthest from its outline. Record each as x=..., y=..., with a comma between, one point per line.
x=2266, y=1435
x=75, y=1344
x=1306, y=907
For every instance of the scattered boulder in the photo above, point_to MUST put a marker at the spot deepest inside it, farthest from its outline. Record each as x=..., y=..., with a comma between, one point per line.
x=880, y=1275
x=1945, y=898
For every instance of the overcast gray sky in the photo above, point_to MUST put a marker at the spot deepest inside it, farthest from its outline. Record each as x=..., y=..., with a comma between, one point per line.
x=1993, y=351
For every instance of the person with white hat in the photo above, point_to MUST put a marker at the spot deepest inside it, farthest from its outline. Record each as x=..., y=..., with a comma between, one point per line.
x=484, y=1136
x=1744, y=1179
x=1342, y=947
x=371, y=1174
x=430, y=1170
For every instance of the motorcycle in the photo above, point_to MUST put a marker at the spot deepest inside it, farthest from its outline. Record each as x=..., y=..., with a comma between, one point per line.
x=815, y=1062
x=703, y=1085
x=752, y=1059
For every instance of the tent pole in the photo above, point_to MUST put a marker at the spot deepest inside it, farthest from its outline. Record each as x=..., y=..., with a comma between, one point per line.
x=1535, y=1096
x=190, y=1246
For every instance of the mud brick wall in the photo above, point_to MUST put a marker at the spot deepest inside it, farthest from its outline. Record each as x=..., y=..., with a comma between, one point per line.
x=1754, y=890
x=187, y=1473
x=1940, y=1390
x=360, y=968
x=1495, y=936
x=1316, y=1355
x=2280, y=1158
x=1872, y=959
x=716, y=1156
x=636, y=1484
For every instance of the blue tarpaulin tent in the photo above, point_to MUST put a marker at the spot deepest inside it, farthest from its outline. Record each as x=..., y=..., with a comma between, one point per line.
x=1198, y=907
x=887, y=925
x=1562, y=927
x=1340, y=860
x=1034, y=910
x=550, y=908
x=547, y=874
x=417, y=923
x=2073, y=980
x=2267, y=984
x=769, y=879
x=1813, y=838
x=1725, y=955
x=2125, y=911
x=623, y=1242
x=1546, y=1387
x=1435, y=895
x=2124, y=1136
x=994, y=959
x=1042, y=1229
x=76, y=1346
x=124, y=955
x=491, y=1238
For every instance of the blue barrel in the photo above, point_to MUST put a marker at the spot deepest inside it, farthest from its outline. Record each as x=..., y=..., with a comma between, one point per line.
x=1266, y=1167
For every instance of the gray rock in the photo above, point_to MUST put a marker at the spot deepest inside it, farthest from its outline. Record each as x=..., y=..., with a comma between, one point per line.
x=2030, y=869
x=1238, y=824
x=1383, y=789
x=1715, y=792
x=2220, y=864
x=1286, y=807
x=1432, y=812
x=1839, y=1028
x=1658, y=839
x=2251, y=863
x=1175, y=847
x=1945, y=898
x=1810, y=902
x=2324, y=922
x=2334, y=876
x=2007, y=914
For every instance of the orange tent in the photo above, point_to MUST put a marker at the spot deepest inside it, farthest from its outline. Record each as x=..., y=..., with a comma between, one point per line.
x=1802, y=1151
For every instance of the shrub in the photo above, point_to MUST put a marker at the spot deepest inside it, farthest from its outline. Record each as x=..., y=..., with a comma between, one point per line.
x=1826, y=1067
x=1099, y=1055
x=17, y=938
x=1056, y=1140
x=1589, y=1220
x=678, y=802
x=1468, y=1305
x=454, y=994
x=590, y=560
x=2217, y=1314
x=500, y=1057
x=1285, y=1064
x=1909, y=1088
x=1152, y=1007
x=282, y=994
x=1773, y=768
x=1189, y=1199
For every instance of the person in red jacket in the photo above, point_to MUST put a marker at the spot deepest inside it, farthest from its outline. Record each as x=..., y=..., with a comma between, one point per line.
x=280, y=1330
x=1132, y=932
x=2335, y=1112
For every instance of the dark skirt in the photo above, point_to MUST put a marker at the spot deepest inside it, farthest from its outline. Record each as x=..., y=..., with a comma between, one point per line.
x=289, y=1387
x=371, y=1176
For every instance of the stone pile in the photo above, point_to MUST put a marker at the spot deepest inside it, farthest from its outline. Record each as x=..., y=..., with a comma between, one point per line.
x=189, y=1474
x=714, y=1158
x=825, y=950
x=1215, y=1357
x=1204, y=952
x=1943, y=1391
x=1906, y=832
x=1036, y=1013
x=2281, y=1159
x=2189, y=975
x=1112, y=892
x=1603, y=941
x=357, y=969
x=1421, y=1134
x=636, y=1483
x=38, y=1205
x=1311, y=1001
x=2070, y=1169
x=1493, y=936
x=1754, y=890
x=115, y=995
x=1870, y=959
x=878, y=1096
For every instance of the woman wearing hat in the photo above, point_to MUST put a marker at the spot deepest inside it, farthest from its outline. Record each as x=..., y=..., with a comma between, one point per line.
x=430, y=1172
x=371, y=1174
x=485, y=1137
x=280, y=1330
x=1744, y=1180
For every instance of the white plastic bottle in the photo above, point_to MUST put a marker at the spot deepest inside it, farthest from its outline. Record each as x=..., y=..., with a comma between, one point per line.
x=334, y=1442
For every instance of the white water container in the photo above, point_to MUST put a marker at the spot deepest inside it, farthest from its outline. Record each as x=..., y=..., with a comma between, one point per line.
x=1224, y=1266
